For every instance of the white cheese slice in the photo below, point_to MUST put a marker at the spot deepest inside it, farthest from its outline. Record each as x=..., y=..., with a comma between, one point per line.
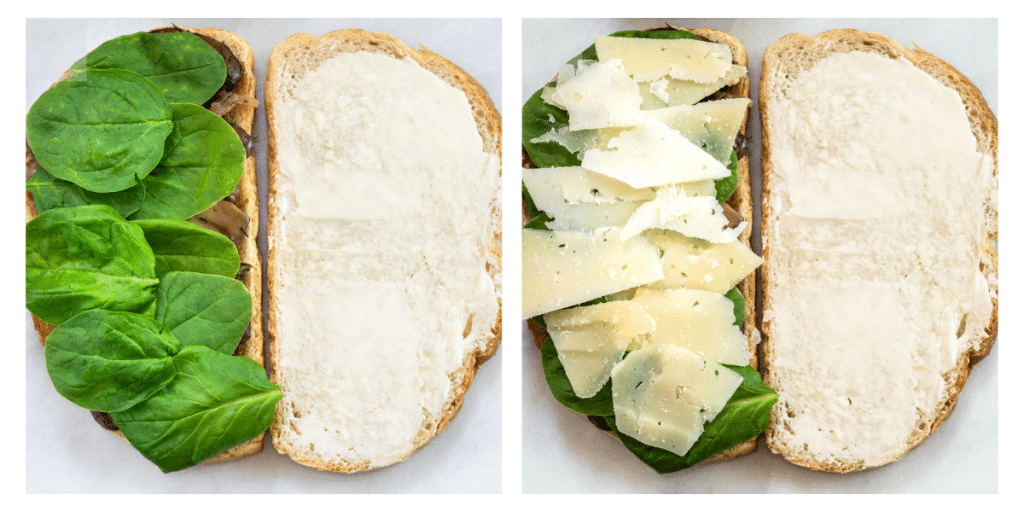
x=547, y=189
x=697, y=320
x=712, y=125
x=669, y=92
x=701, y=265
x=706, y=221
x=565, y=268
x=663, y=395
x=582, y=186
x=651, y=59
x=592, y=339
x=670, y=203
x=651, y=155
x=675, y=209
x=598, y=95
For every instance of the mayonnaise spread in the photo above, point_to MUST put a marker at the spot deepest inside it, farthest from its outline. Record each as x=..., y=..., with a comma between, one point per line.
x=880, y=196
x=388, y=205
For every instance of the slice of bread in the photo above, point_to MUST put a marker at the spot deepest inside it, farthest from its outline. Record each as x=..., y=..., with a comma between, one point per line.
x=384, y=262
x=245, y=199
x=741, y=201
x=879, y=276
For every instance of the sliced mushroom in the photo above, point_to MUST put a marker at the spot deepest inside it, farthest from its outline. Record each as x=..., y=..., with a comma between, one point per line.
x=225, y=218
x=733, y=216
x=105, y=420
x=31, y=164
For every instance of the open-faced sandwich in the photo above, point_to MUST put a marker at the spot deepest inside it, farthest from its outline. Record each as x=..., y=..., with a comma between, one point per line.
x=142, y=270
x=637, y=271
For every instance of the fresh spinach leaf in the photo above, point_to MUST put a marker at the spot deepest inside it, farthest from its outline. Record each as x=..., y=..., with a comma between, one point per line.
x=597, y=405
x=183, y=66
x=179, y=245
x=49, y=192
x=202, y=164
x=739, y=306
x=83, y=258
x=725, y=187
x=743, y=417
x=102, y=131
x=109, y=360
x=214, y=402
x=540, y=117
x=530, y=206
x=204, y=309
x=540, y=222
x=537, y=218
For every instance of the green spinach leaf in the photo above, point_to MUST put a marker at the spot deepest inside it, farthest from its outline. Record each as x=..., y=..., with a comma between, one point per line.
x=597, y=405
x=725, y=187
x=179, y=245
x=204, y=309
x=109, y=360
x=183, y=66
x=102, y=132
x=49, y=192
x=739, y=306
x=203, y=162
x=214, y=402
x=743, y=417
x=86, y=257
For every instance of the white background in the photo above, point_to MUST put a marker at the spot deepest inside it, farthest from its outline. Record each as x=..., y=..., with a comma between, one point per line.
x=67, y=452
x=562, y=452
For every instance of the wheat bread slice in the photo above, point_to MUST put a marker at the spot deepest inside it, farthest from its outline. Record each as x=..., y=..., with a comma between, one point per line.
x=348, y=443
x=245, y=199
x=741, y=201
x=785, y=61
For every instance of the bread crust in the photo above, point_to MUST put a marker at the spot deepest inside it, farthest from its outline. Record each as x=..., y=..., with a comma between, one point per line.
x=741, y=201
x=794, y=53
x=314, y=50
x=247, y=200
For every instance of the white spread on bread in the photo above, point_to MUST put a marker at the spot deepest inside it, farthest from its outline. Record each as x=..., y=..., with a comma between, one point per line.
x=385, y=194
x=875, y=151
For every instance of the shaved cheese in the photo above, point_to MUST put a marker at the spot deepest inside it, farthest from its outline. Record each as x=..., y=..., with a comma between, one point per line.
x=672, y=208
x=669, y=92
x=697, y=320
x=663, y=395
x=701, y=265
x=564, y=268
x=547, y=189
x=669, y=204
x=591, y=339
x=598, y=95
x=712, y=125
x=651, y=59
x=582, y=186
x=653, y=154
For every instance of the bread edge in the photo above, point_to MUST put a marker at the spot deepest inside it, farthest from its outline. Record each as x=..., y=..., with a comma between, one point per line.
x=489, y=127
x=741, y=201
x=248, y=201
x=945, y=74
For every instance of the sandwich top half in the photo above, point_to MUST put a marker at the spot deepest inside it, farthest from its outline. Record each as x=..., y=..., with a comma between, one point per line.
x=879, y=228
x=384, y=232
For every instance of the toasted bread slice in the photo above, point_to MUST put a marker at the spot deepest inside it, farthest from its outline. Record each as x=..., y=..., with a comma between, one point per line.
x=828, y=416
x=244, y=199
x=741, y=201
x=350, y=406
